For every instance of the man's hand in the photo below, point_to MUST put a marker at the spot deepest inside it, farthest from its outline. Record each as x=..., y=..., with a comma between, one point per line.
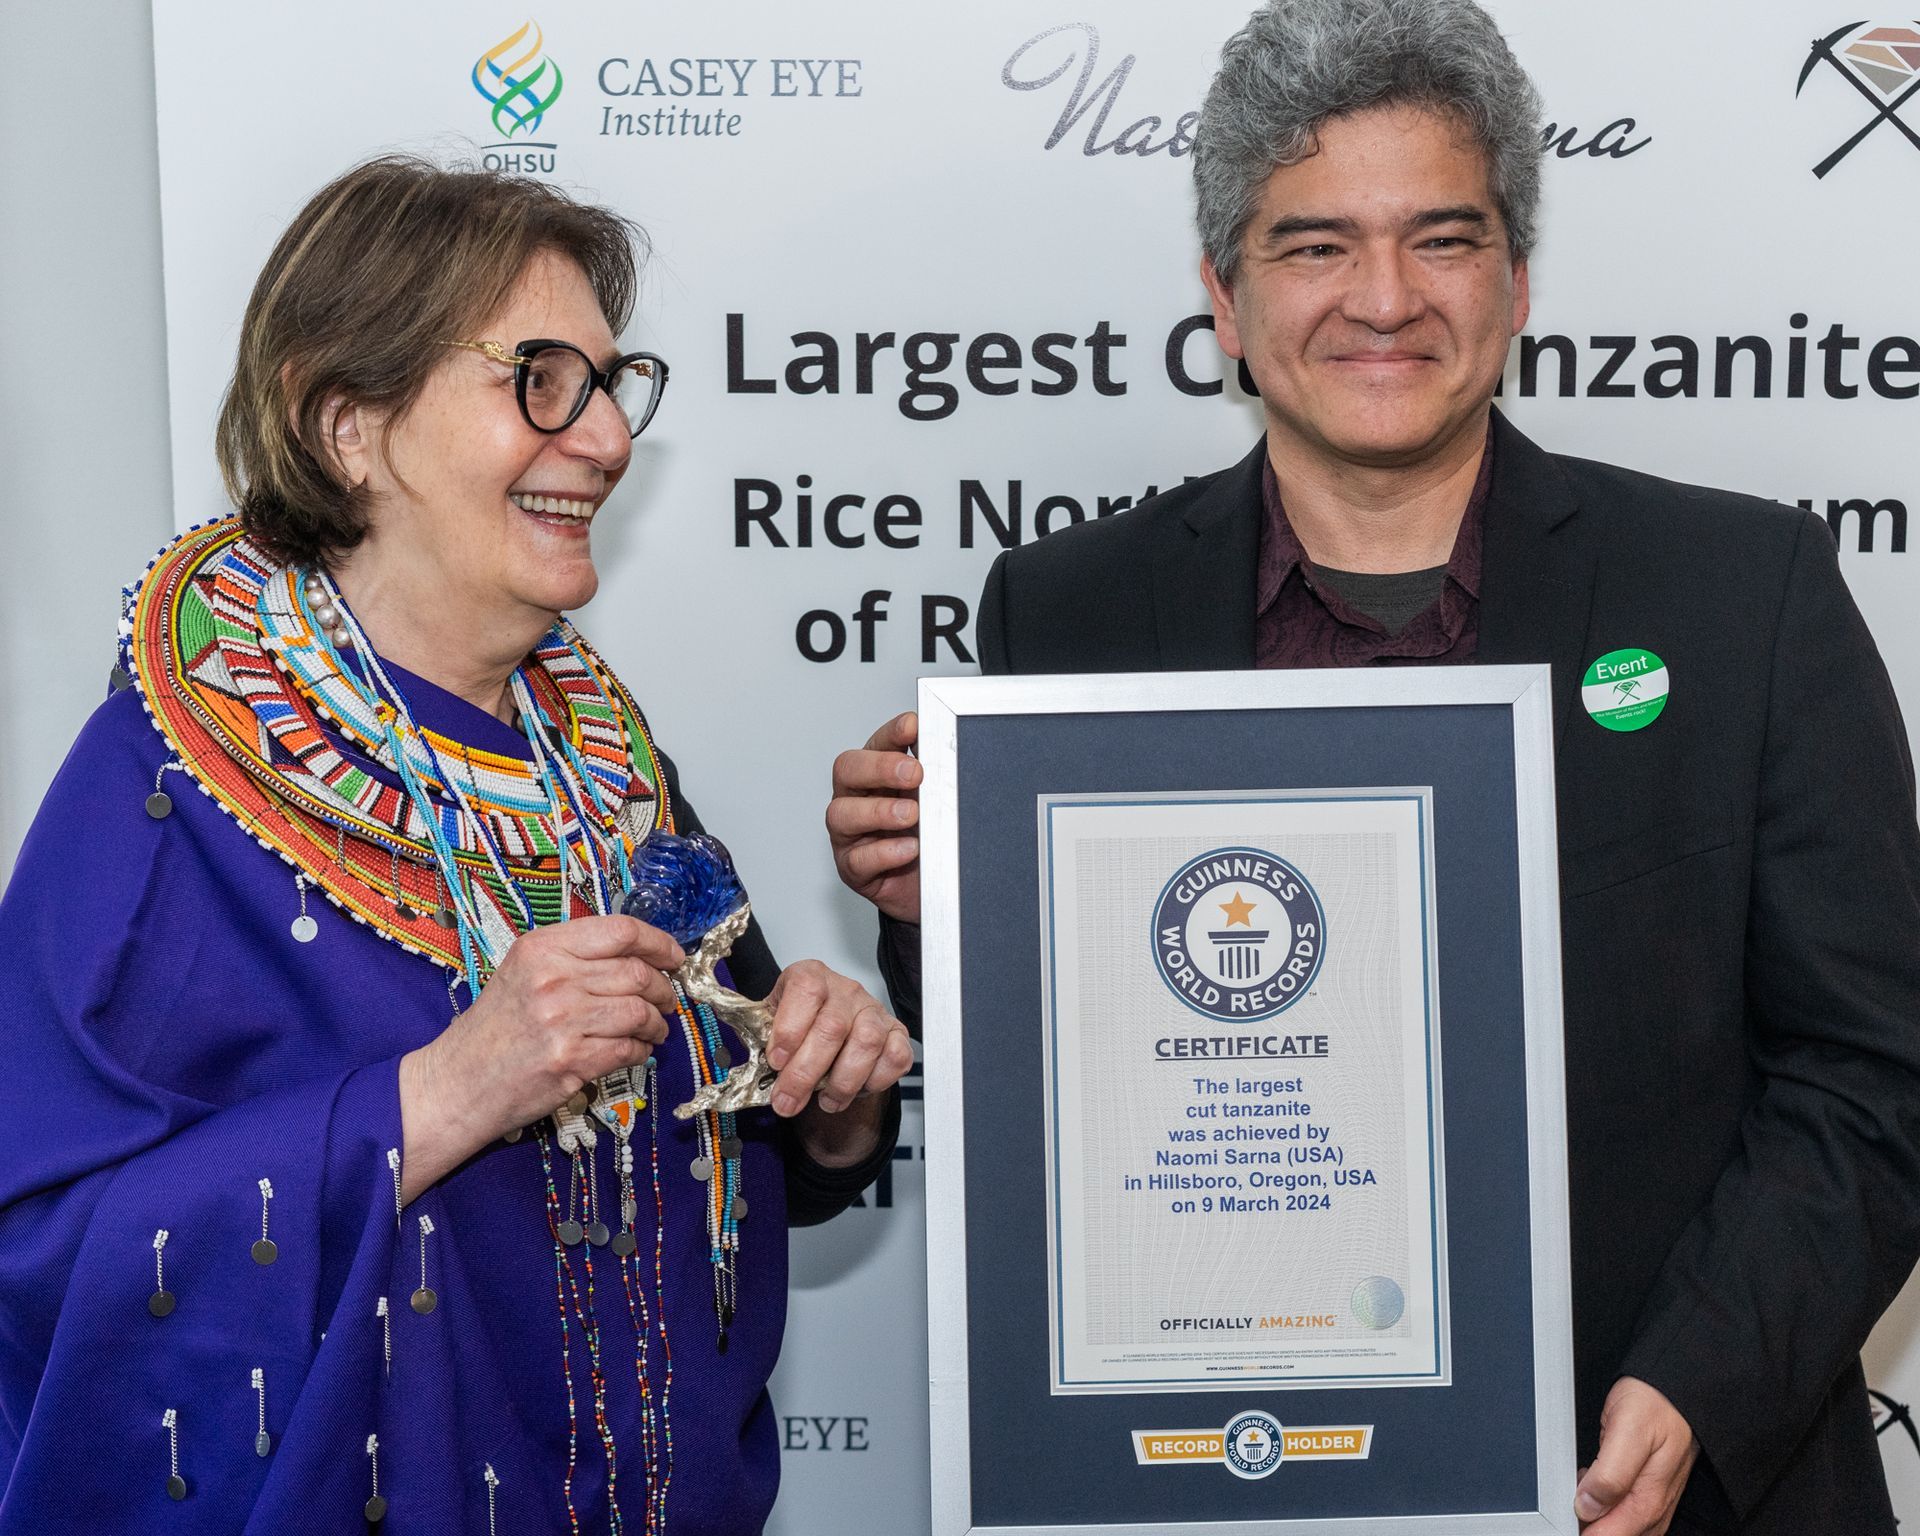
x=872, y=817
x=1647, y=1451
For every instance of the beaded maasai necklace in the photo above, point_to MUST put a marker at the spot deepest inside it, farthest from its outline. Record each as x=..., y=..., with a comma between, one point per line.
x=257, y=676
x=256, y=704
x=553, y=803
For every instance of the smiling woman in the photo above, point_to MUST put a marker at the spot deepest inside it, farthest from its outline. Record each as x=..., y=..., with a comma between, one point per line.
x=290, y=1049
x=486, y=485
x=355, y=304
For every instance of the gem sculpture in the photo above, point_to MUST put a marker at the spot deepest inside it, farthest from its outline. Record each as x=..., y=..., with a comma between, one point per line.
x=687, y=887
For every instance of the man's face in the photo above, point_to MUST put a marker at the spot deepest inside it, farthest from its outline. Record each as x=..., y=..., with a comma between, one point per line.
x=1376, y=295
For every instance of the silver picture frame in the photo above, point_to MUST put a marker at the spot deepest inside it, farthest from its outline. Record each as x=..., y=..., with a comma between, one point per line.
x=1521, y=691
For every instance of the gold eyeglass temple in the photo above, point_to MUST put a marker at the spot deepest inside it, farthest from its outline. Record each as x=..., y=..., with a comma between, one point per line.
x=500, y=354
x=492, y=349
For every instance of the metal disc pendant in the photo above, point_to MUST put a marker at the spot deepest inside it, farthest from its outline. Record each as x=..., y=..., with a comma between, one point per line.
x=739, y=1207
x=159, y=805
x=405, y=913
x=262, y=1443
x=376, y=1510
x=597, y=1233
x=570, y=1233
x=628, y=1210
x=176, y=1487
x=624, y=1243
x=304, y=928
x=722, y=1057
x=160, y=1303
x=730, y=1147
x=265, y=1252
x=701, y=1169
x=424, y=1300
x=444, y=916
x=119, y=679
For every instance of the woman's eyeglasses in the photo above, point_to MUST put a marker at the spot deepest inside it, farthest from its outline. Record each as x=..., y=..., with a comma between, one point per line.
x=554, y=380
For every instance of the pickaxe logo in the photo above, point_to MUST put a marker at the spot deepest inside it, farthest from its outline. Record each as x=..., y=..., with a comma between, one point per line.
x=1887, y=1414
x=1882, y=63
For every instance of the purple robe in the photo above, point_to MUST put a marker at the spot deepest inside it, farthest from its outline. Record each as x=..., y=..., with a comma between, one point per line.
x=169, y=1045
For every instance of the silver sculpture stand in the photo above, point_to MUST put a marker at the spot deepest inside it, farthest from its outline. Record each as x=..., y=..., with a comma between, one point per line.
x=747, y=1086
x=750, y=1084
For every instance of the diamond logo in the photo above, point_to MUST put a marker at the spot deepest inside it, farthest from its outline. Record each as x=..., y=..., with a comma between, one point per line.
x=1887, y=58
x=1880, y=60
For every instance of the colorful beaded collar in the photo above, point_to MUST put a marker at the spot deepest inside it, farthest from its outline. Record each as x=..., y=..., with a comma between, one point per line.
x=237, y=682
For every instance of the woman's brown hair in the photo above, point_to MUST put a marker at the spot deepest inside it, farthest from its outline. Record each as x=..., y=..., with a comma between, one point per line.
x=382, y=267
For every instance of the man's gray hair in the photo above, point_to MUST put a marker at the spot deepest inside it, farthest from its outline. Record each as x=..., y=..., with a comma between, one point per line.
x=1298, y=63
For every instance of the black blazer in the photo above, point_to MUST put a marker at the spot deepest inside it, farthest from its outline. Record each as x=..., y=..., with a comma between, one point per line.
x=1740, y=928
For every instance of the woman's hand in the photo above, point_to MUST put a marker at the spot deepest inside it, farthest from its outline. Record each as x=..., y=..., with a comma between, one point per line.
x=834, y=1046
x=571, y=1002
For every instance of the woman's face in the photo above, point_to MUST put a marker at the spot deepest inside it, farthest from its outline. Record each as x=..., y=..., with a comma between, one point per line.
x=458, y=495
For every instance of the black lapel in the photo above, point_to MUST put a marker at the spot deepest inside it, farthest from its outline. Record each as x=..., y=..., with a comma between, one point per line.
x=1536, y=569
x=1209, y=562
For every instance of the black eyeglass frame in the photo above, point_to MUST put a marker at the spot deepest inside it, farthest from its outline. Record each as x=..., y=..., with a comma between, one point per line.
x=525, y=352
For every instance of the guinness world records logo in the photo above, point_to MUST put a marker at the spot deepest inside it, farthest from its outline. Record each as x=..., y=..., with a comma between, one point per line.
x=1255, y=1444
x=1238, y=934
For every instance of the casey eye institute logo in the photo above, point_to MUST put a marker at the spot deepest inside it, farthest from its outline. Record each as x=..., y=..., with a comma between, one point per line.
x=1238, y=934
x=520, y=84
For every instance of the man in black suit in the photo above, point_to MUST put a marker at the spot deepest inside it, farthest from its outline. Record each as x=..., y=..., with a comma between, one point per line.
x=1740, y=873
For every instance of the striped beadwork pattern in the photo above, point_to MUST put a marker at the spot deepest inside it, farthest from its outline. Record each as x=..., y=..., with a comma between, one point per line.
x=214, y=639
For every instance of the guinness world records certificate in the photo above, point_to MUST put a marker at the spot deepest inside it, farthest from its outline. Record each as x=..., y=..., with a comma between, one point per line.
x=1246, y=1158
x=1242, y=1041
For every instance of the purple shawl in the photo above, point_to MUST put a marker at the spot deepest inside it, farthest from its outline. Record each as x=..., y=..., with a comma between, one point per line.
x=169, y=1045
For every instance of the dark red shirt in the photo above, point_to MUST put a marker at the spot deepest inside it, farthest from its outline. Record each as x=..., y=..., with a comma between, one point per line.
x=1299, y=622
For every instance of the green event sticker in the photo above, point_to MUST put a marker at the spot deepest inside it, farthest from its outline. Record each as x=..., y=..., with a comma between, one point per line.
x=1625, y=690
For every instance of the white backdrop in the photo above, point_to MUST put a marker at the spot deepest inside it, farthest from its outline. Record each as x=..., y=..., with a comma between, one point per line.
x=1014, y=170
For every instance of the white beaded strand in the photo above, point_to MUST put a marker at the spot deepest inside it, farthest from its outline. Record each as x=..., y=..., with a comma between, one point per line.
x=325, y=614
x=265, y=1251
x=376, y=1507
x=303, y=928
x=160, y=1303
x=381, y=686
x=160, y=803
x=424, y=1299
x=262, y=1442
x=176, y=1484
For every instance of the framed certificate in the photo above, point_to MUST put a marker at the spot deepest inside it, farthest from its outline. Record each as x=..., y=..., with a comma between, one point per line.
x=1245, y=1124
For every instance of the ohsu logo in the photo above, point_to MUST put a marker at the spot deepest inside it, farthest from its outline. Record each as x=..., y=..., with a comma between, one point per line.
x=520, y=84
x=1882, y=63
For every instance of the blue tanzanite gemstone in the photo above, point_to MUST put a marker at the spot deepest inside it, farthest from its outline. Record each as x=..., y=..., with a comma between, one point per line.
x=684, y=886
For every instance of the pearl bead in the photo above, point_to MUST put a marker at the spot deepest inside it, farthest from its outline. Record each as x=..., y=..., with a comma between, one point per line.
x=327, y=616
x=341, y=639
